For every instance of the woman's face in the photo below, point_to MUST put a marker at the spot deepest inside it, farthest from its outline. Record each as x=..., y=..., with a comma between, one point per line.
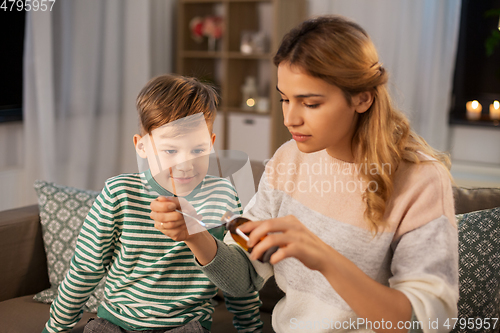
x=316, y=113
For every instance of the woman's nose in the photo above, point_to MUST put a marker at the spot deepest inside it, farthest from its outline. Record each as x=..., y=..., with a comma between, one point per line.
x=291, y=115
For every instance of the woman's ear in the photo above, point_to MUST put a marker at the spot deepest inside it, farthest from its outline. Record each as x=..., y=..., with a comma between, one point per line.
x=363, y=101
x=139, y=146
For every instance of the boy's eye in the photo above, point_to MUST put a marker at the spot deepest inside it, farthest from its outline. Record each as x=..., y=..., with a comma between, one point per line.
x=170, y=151
x=198, y=151
x=284, y=100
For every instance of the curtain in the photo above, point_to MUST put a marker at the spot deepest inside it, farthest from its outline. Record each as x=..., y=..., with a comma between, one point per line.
x=11, y=145
x=417, y=42
x=85, y=62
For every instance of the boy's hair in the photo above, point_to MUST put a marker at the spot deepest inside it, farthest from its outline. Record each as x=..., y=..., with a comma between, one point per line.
x=169, y=97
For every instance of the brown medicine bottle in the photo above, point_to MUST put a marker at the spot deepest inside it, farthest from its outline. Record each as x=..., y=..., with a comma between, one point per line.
x=232, y=222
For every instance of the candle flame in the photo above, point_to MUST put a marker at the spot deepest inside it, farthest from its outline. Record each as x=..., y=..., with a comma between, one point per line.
x=496, y=105
x=475, y=104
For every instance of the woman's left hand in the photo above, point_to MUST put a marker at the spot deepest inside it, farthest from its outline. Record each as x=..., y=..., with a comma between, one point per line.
x=293, y=238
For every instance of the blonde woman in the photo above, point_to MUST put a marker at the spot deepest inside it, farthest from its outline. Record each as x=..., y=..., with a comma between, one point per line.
x=360, y=206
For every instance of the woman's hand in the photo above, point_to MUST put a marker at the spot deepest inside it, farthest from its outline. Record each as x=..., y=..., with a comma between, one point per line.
x=368, y=298
x=293, y=238
x=172, y=223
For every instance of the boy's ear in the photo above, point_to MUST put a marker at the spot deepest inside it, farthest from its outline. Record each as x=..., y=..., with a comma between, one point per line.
x=213, y=139
x=362, y=101
x=139, y=146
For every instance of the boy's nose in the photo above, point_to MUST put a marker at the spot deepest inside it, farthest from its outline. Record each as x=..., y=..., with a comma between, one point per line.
x=185, y=165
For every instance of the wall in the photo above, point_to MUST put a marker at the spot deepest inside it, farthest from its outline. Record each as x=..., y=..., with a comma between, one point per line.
x=11, y=166
x=475, y=155
x=475, y=151
x=13, y=190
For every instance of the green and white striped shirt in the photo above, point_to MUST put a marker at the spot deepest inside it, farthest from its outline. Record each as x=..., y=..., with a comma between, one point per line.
x=152, y=281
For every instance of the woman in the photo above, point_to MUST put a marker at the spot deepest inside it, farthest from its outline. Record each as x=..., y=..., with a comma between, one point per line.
x=360, y=206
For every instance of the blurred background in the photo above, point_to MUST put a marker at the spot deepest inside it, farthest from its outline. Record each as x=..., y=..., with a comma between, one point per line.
x=70, y=73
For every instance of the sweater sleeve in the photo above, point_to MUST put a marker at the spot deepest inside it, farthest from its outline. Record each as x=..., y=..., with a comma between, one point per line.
x=245, y=308
x=231, y=269
x=93, y=253
x=425, y=249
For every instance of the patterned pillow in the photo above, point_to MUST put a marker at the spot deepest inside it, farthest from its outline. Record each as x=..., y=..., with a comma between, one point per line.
x=62, y=212
x=479, y=270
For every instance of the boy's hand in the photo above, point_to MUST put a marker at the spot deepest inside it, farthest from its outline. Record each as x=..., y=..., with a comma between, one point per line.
x=172, y=223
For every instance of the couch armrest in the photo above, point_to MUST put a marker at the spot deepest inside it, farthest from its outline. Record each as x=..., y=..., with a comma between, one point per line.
x=23, y=264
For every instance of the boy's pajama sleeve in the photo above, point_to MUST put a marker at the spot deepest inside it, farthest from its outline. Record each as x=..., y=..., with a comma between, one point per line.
x=93, y=253
x=246, y=311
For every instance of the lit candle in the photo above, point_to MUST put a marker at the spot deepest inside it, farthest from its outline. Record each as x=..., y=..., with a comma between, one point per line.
x=474, y=109
x=495, y=110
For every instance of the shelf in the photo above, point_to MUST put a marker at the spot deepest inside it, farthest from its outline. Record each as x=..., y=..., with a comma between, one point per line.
x=201, y=1
x=227, y=68
x=202, y=54
x=248, y=0
x=243, y=111
x=239, y=55
x=226, y=55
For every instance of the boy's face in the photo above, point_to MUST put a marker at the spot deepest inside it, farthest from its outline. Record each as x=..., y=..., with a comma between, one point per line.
x=178, y=159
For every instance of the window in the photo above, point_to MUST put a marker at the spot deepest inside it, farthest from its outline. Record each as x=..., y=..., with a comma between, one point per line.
x=477, y=75
x=11, y=65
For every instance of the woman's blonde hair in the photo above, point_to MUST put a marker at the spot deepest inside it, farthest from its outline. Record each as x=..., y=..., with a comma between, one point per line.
x=341, y=53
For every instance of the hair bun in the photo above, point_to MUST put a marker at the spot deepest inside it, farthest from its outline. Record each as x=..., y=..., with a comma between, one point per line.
x=381, y=70
x=378, y=67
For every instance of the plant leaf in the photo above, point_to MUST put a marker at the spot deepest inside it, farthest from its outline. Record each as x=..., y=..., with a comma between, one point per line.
x=492, y=12
x=492, y=42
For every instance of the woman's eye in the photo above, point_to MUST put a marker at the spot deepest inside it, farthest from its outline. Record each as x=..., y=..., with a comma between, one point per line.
x=311, y=106
x=170, y=151
x=284, y=100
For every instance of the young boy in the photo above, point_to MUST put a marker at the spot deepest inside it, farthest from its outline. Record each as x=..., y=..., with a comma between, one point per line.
x=153, y=283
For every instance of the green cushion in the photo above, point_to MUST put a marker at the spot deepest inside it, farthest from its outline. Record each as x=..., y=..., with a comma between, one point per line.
x=62, y=212
x=479, y=267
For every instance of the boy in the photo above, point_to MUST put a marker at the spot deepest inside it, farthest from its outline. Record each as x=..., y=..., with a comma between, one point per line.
x=153, y=283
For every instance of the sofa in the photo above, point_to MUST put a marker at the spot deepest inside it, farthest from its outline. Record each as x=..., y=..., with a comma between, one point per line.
x=23, y=267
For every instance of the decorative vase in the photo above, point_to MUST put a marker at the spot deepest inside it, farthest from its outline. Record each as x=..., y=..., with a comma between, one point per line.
x=249, y=93
x=211, y=44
